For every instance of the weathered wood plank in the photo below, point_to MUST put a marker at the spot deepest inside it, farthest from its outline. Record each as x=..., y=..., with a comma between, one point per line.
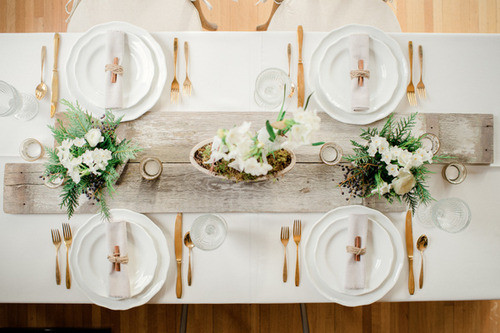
x=170, y=136
x=307, y=188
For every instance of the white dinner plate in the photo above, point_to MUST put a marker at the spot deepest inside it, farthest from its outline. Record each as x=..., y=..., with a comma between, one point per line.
x=336, y=83
x=163, y=259
x=137, y=76
x=350, y=117
x=324, y=283
x=159, y=79
x=331, y=257
x=91, y=257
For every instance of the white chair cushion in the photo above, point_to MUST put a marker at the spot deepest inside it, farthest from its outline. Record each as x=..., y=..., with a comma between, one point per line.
x=152, y=15
x=327, y=15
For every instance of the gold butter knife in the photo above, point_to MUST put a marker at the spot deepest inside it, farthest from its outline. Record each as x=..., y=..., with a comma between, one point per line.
x=409, y=250
x=178, y=253
x=55, y=78
x=300, y=71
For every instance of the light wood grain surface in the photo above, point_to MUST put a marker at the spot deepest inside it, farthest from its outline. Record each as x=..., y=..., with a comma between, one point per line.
x=475, y=316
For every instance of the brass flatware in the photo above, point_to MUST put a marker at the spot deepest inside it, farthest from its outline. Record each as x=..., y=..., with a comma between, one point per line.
x=187, y=86
x=285, y=235
x=409, y=250
x=56, y=240
x=297, y=231
x=174, y=89
x=68, y=239
x=178, y=253
x=422, y=243
x=289, y=53
x=41, y=89
x=420, y=85
x=189, y=244
x=410, y=90
x=55, y=78
x=300, y=71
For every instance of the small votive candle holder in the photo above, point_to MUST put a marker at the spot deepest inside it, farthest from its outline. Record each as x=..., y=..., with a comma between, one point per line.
x=151, y=168
x=31, y=150
x=454, y=173
x=330, y=153
x=55, y=182
x=435, y=144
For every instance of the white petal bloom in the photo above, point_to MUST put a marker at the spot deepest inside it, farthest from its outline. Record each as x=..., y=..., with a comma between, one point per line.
x=382, y=189
x=93, y=137
x=404, y=158
x=66, y=144
x=396, y=152
x=263, y=136
x=392, y=169
x=387, y=157
x=238, y=134
x=238, y=164
x=383, y=147
x=403, y=183
x=424, y=154
x=307, y=118
x=378, y=141
x=75, y=175
x=372, y=149
x=79, y=142
x=87, y=158
x=255, y=168
x=416, y=160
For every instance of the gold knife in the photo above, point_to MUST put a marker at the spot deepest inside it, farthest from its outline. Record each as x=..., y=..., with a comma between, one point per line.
x=178, y=253
x=55, y=78
x=300, y=72
x=409, y=250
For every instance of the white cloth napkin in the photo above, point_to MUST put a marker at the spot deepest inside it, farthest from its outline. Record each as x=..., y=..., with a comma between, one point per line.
x=115, y=45
x=119, y=283
x=359, y=48
x=355, y=270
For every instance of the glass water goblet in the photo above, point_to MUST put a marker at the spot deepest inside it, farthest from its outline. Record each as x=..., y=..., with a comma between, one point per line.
x=270, y=88
x=208, y=231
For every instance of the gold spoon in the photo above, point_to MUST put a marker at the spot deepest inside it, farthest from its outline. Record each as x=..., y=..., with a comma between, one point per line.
x=289, y=53
x=422, y=243
x=41, y=89
x=189, y=244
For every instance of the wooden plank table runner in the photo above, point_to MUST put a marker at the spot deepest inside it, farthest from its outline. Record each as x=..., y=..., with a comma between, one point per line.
x=310, y=187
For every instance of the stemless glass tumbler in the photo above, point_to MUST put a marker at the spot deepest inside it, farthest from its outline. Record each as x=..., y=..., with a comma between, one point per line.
x=22, y=106
x=208, y=231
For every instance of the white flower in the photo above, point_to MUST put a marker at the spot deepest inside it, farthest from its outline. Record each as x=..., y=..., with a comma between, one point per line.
x=387, y=157
x=424, y=154
x=255, y=168
x=416, y=160
x=403, y=183
x=263, y=136
x=238, y=164
x=66, y=144
x=87, y=158
x=93, y=137
x=298, y=135
x=383, y=147
x=382, y=189
x=372, y=149
x=404, y=158
x=79, y=142
x=396, y=152
x=75, y=175
x=379, y=141
x=392, y=169
x=239, y=134
x=309, y=118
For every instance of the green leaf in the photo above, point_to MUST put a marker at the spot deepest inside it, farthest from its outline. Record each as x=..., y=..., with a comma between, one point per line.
x=318, y=143
x=307, y=101
x=270, y=130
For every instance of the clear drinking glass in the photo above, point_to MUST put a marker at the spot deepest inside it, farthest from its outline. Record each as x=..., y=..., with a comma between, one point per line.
x=208, y=231
x=22, y=106
x=269, y=87
x=451, y=215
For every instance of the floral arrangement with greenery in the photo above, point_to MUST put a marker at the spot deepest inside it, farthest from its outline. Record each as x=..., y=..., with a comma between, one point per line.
x=253, y=154
x=87, y=156
x=392, y=164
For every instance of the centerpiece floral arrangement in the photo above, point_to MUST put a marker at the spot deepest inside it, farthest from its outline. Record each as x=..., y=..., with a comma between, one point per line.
x=242, y=154
x=87, y=157
x=391, y=164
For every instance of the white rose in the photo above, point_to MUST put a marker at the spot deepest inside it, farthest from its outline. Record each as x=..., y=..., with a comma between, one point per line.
x=93, y=137
x=403, y=183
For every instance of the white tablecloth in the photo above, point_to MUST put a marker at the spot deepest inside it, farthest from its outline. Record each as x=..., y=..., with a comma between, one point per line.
x=460, y=76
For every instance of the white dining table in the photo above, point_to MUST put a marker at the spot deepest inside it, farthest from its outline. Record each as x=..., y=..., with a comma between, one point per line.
x=460, y=73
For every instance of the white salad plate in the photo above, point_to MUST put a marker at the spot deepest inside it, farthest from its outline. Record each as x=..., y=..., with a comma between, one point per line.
x=330, y=242
x=331, y=256
x=94, y=267
x=159, y=69
x=335, y=81
x=95, y=290
x=340, y=112
x=137, y=76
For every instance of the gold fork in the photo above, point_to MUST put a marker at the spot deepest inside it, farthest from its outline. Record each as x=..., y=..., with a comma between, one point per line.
x=297, y=231
x=410, y=90
x=56, y=239
x=68, y=239
x=285, y=234
x=174, y=89
x=420, y=85
x=186, y=87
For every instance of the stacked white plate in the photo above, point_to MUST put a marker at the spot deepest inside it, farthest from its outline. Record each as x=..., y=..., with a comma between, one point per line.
x=329, y=75
x=326, y=258
x=148, y=260
x=145, y=70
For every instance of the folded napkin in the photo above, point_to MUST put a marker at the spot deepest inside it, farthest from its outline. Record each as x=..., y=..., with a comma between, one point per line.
x=355, y=271
x=119, y=284
x=115, y=44
x=359, y=48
